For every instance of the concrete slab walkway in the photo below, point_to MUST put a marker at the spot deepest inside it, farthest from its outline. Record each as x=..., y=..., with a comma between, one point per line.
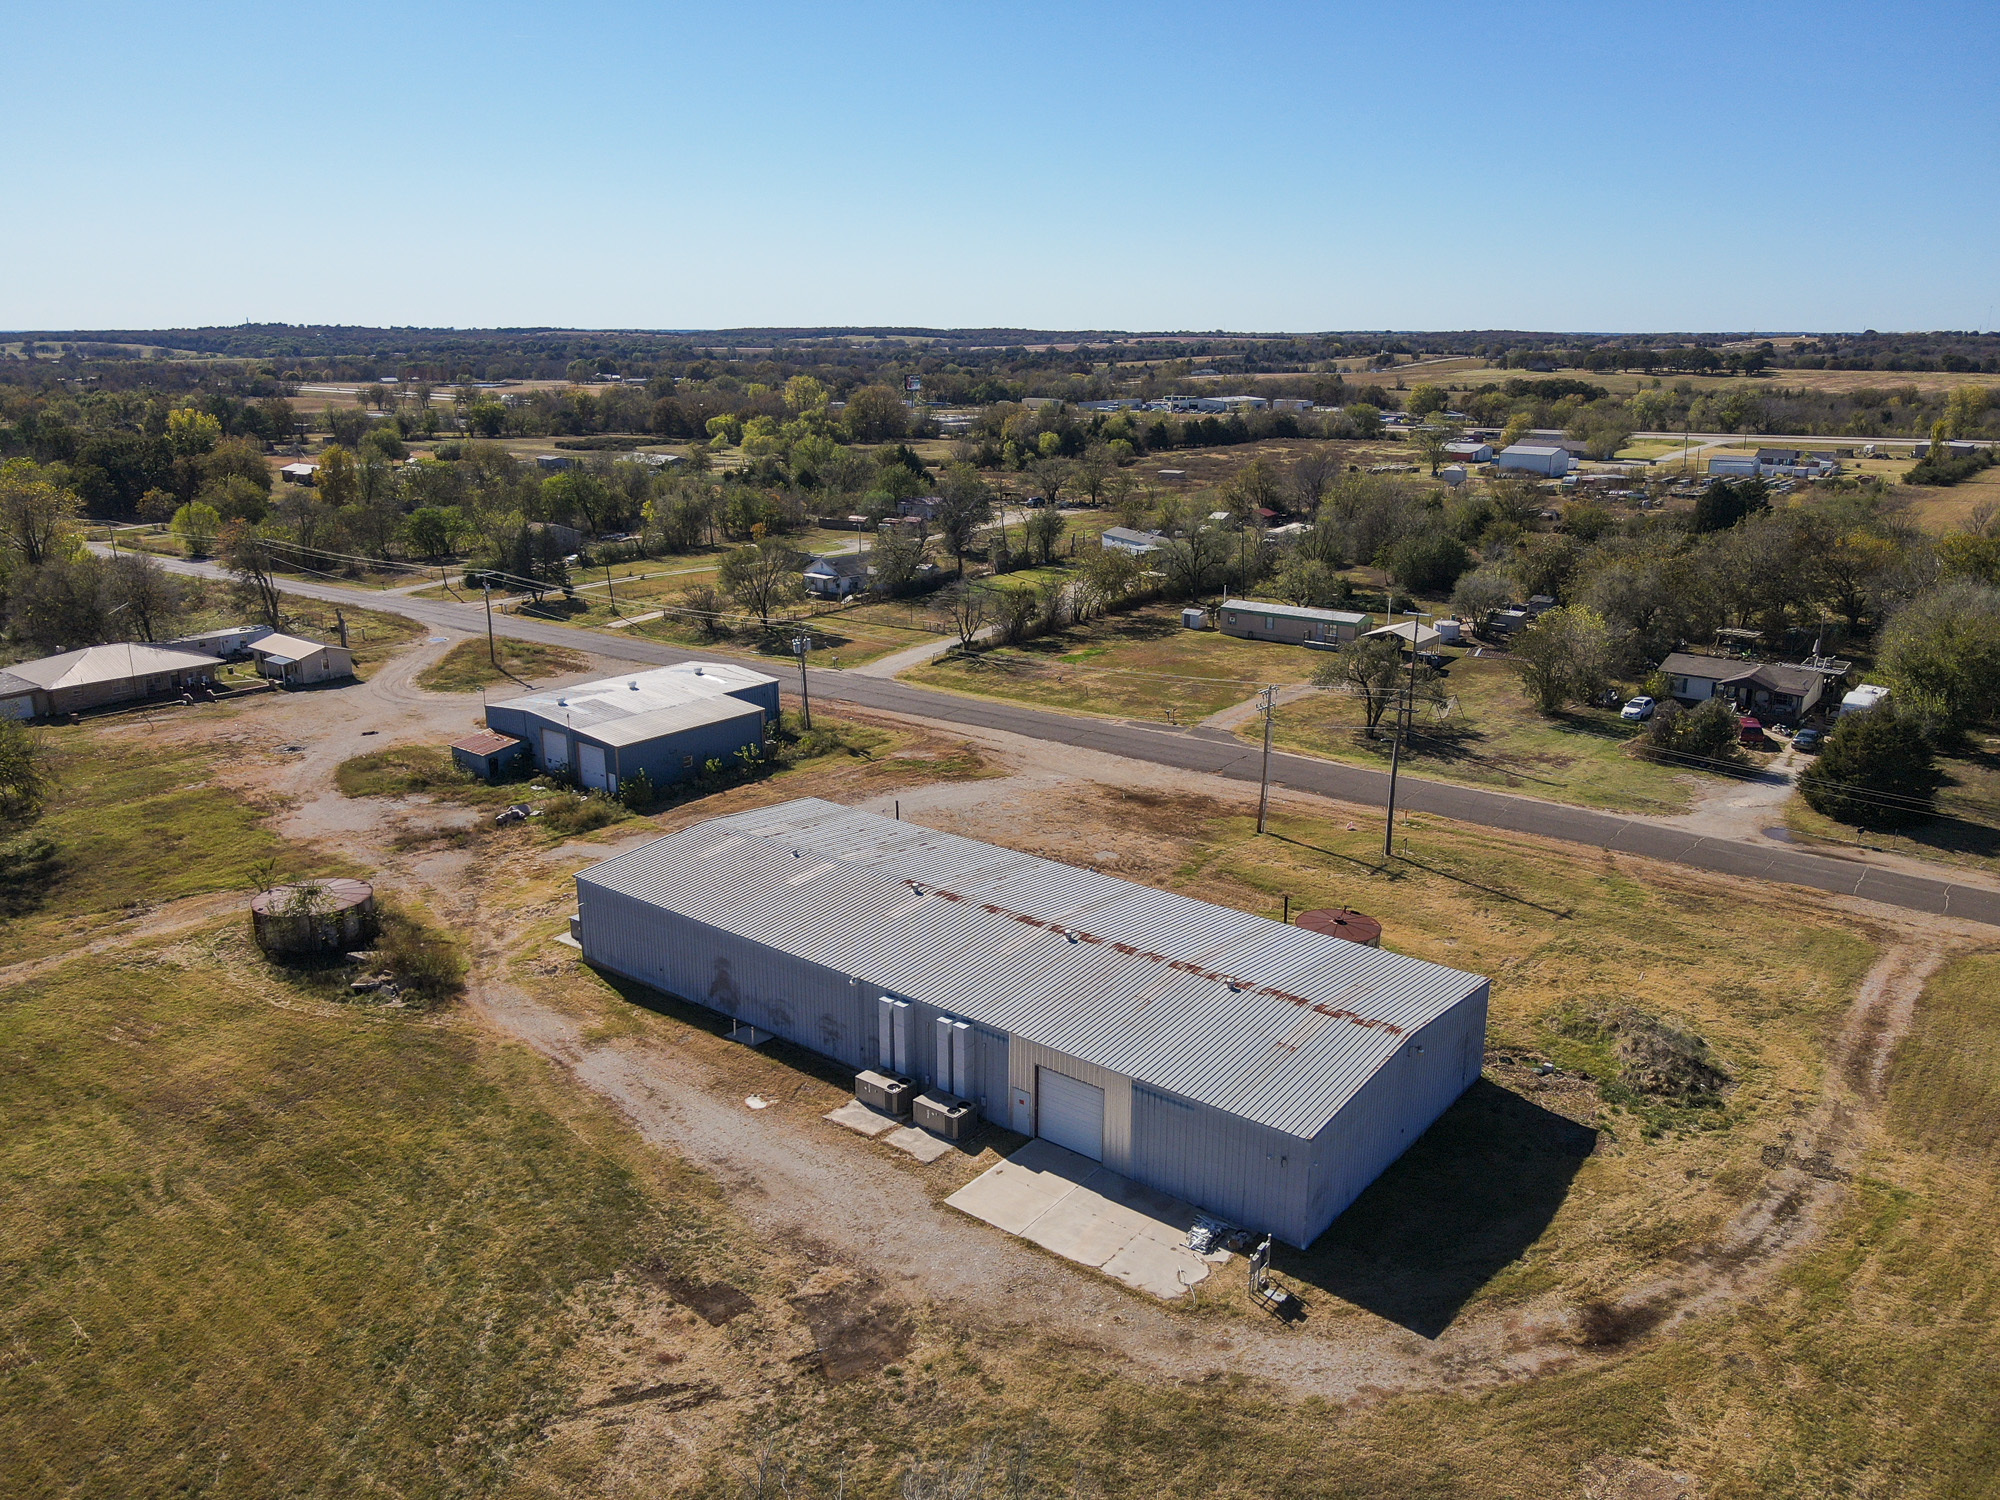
x=1083, y=1212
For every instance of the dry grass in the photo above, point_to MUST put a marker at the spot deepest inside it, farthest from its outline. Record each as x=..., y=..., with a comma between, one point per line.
x=469, y=665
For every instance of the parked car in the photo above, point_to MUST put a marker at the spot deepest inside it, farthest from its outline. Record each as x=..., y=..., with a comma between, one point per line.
x=1808, y=741
x=1638, y=709
x=1751, y=732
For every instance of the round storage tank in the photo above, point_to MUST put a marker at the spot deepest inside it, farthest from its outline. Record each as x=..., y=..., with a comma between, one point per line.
x=1336, y=921
x=314, y=916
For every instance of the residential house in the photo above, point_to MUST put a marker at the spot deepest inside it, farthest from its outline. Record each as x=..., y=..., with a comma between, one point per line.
x=838, y=575
x=298, y=662
x=99, y=675
x=1773, y=691
x=1125, y=539
x=1263, y=620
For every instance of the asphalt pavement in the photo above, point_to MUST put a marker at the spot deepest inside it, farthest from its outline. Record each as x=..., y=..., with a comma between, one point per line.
x=1220, y=753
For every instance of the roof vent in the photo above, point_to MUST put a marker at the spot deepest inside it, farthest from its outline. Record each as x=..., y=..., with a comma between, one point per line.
x=1070, y=935
x=697, y=671
x=914, y=886
x=633, y=684
x=562, y=703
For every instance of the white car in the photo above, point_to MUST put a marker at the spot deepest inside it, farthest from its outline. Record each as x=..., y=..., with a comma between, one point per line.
x=1638, y=709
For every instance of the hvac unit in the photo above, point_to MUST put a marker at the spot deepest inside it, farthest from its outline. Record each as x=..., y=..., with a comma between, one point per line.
x=944, y=1114
x=888, y=1092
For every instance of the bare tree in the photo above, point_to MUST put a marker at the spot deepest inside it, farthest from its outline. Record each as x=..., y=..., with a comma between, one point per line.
x=1311, y=476
x=247, y=556
x=764, y=576
x=1372, y=670
x=1194, y=561
x=153, y=598
x=969, y=609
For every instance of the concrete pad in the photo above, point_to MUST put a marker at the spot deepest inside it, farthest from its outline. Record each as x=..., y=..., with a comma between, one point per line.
x=1083, y=1212
x=1009, y=1196
x=1082, y=1227
x=857, y=1116
x=1045, y=1156
x=921, y=1144
x=1167, y=1271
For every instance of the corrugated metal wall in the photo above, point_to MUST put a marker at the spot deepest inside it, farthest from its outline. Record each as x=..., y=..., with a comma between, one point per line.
x=1393, y=1108
x=1248, y=1173
x=1024, y=1056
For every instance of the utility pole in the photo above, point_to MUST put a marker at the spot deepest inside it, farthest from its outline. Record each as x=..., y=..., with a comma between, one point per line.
x=801, y=644
x=1264, y=790
x=608, y=594
x=486, y=591
x=1396, y=747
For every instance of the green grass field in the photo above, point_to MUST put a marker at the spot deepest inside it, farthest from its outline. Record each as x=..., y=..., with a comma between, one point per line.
x=1492, y=736
x=1140, y=664
x=469, y=666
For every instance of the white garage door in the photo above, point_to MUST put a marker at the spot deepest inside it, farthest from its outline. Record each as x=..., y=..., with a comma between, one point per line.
x=1070, y=1113
x=590, y=765
x=555, y=749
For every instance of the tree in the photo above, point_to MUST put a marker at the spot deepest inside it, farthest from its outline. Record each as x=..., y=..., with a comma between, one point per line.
x=1051, y=476
x=1311, y=476
x=969, y=608
x=247, y=556
x=804, y=394
x=36, y=512
x=1725, y=502
x=1518, y=426
x=1306, y=581
x=1428, y=563
x=1564, y=657
x=1478, y=593
x=1711, y=731
x=1361, y=420
x=434, y=530
x=196, y=525
x=763, y=576
x=875, y=414
x=1372, y=669
x=1429, y=441
x=899, y=558
x=1092, y=473
x=964, y=505
x=150, y=598
x=1941, y=655
x=60, y=605
x=1044, y=529
x=339, y=479
x=1875, y=771
x=1194, y=560
x=27, y=772
x=705, y=604
x=1426, y=399
x=191, y=433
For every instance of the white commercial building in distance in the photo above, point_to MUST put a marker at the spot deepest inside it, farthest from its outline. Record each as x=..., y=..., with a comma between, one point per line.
x=1263, y=1072
x=1535, y=458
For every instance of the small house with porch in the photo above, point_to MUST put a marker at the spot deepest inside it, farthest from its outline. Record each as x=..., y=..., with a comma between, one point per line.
x=1774, y=691
x=838, y=575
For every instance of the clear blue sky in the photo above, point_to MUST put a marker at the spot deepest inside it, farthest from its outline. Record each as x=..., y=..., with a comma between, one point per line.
x=1311, y=166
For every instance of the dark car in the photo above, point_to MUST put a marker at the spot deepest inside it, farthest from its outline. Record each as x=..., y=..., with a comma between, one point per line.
x=1809, y=740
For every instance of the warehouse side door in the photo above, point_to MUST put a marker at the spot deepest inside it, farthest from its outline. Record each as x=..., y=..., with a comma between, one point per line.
x=1070, y=1113
x=590, y=767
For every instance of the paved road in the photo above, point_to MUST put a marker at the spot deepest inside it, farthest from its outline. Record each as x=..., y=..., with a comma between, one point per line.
x=1217, y=752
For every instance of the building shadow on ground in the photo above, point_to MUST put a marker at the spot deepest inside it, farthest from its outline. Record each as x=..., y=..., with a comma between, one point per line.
x=1463, y=1203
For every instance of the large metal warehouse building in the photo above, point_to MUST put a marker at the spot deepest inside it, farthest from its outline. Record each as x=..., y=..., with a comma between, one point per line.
x=667, y=722
x=1263, y=1072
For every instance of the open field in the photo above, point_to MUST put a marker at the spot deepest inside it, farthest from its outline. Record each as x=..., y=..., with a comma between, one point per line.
x=1139, y=664
x=470, y=665
x=1493, y=736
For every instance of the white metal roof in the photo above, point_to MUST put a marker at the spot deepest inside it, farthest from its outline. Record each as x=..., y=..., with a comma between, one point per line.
x=113, y=663
x=1295, y=611
x=592, y=706
x=1266, y=1021
x=293, y=648
x=672, y=719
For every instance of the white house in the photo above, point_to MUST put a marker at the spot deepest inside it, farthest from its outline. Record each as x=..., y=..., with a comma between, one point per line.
x=1535, y=458
x=296, y=661
x=837, y=576
x=1125, y=539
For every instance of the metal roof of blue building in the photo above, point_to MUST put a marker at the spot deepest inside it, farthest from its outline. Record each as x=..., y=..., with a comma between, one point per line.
x=1262, y=1020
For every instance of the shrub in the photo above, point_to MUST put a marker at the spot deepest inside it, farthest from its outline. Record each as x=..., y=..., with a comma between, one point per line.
x=571, y=813
x=1875, y=771
x=1711, y=731
x=636, y=791
x=428, y=965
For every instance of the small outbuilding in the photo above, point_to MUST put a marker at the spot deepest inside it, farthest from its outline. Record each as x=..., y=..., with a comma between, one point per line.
x=298, y=662
x=299, y=473
x=668, y=722
x=1261, y=1071
x=232, y=643
x=1125, y=539
x=486, y=754
x=1535, y=458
